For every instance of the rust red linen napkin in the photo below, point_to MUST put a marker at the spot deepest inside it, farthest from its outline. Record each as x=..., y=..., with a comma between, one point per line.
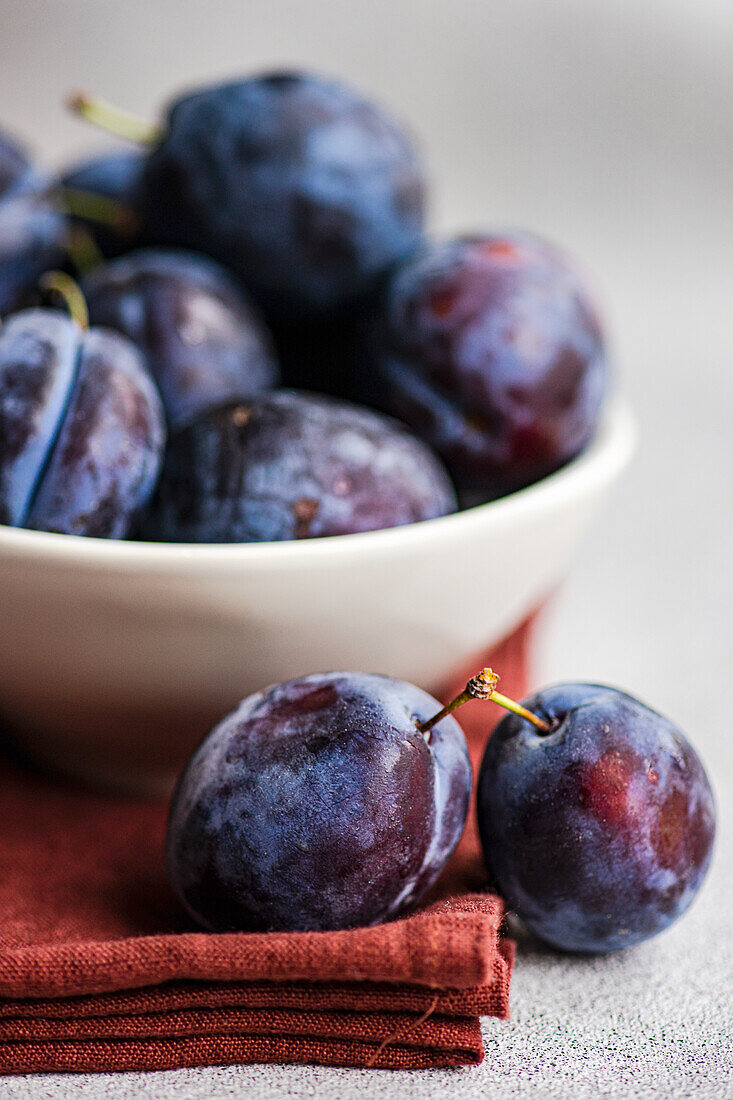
x=100, y=970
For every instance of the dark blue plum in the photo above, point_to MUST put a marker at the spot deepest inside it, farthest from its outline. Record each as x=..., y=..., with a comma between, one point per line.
x=38, y=350
x=32, y=234
x=106, y=459
x=318, y=804
x=16, y=171
x=491, y=350
x=292, y=465
x=33, y=239
x=111, y=176
x=203, y=341
x=307, y=191
x=81, y=428
x=599, y=833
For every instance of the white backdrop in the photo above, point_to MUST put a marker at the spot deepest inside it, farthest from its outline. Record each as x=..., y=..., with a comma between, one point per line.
x=608, y=126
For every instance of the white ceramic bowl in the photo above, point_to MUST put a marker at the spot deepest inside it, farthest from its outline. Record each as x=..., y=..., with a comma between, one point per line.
x=116, y=657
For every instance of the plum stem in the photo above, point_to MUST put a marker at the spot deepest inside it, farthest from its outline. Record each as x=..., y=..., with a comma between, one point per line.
x=483, y=686
x=517, y=708
x=59, y=282
x=83, y=250
x=101, y=209
x=115, y=120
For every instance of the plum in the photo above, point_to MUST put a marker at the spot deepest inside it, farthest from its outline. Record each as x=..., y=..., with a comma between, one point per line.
x=38, y=351
x=598, y=832
x=292, y=465
x=306, y=190
x=203, y=340
x=81, y=427
x=33, y=234
x=100, y=196
x=16, y=172
x=490, y=348
x=318, y=804
x=32, y=240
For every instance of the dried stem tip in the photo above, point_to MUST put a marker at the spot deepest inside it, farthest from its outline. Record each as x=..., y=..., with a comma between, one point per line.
x=481, y=686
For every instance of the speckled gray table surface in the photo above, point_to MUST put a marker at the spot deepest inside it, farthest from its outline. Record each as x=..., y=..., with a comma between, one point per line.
x=608, y=127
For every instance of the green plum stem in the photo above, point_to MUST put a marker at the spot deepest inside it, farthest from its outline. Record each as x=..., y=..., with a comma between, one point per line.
x=100, y=209
x=517, y=708
x=60, y=283
x=483, y=686
x=83, y=251
x=115, y=120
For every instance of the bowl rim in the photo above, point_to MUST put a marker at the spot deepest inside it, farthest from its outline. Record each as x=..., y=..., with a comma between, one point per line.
x=601, y=461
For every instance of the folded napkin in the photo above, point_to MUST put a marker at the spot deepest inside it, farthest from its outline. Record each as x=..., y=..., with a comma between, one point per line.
x=100, y=969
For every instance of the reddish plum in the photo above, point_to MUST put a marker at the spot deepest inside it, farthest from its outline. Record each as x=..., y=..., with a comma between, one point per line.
x=491, y=350
x=599, y=832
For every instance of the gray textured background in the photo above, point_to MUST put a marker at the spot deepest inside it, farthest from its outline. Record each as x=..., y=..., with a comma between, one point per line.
x=610, y=128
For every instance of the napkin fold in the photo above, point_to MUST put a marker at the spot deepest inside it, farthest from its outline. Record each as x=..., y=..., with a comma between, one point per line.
x=100, y=969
